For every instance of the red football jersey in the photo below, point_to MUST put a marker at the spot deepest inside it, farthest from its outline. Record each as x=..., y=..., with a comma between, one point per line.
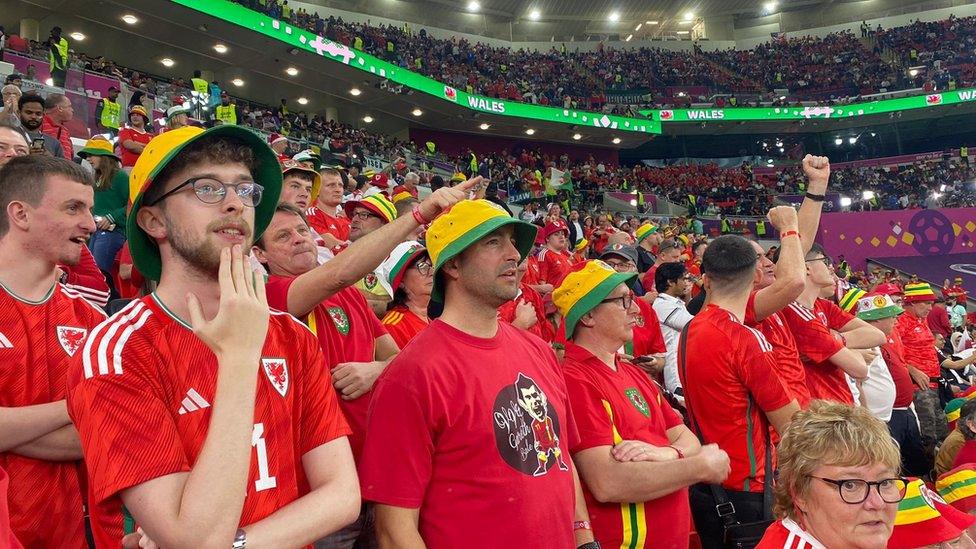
x=788, y=365
x=532, y=271
x=475, y=432
x=7, y=538
x=919, y=344
x=729, y=380
x=542, y=327
x=141, y=393
x=324, y=223
x=816, y=345
x=893, y=352
x=403, y=325
x=648, y=339
x=786, y=534
x=553, y=266
x=610, y=407
x=37, y=341
x=346, y=328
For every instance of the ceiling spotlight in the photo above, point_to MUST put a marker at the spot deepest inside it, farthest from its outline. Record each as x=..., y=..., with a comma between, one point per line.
x=291, y=71
x=220, y=48
x=629, y=36
x=77, y=36
x=529, y=131
x=534, y=15
x=867, y=195
x=577, y=136
x=913, y=72
x=484, y=125
x=614, y=16
x=616, y=140
x=130, y=19
x=473, y=6
x=368, y=119
x=416, y=112
x=838, y=141
x=683, y=32
x=167, y=62
x=689, y=15
x=638, y=27
x=652, y=22
x=852, y=140
x=237, y=82
x=845, y=201
x=770, y=6
x=303, y=101
x=355, y=92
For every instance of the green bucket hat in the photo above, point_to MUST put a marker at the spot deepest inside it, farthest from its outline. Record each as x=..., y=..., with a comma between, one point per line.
x=160, y=151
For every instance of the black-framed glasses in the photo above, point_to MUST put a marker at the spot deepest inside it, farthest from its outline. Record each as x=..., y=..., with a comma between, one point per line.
x=213, y=191
x=424, y=267
x=619, y=266
x=826, y=260
x=856, y=490
x=625, y=301
x=364, y=215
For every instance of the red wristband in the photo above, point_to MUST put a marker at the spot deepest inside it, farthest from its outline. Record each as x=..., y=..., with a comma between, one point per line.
x=681, y=454
x=789, y=233
x=581, y=525
x=419, y=217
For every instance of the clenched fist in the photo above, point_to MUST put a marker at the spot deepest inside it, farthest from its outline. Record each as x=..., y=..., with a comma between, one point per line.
x=817, y=170
x=715, y=467
x=783, y=218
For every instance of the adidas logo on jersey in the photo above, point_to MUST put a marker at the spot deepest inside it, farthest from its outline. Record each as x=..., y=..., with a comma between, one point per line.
x=4, y=342
x=193, y=402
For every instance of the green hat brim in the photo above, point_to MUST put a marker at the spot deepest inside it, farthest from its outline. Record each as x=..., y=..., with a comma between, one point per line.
x=593, y=298
x=882, y=313
x=524, y=240
x=145, y=252
x=86, y=152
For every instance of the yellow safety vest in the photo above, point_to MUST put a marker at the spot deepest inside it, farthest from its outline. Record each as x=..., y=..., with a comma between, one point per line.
x=474, y=164
x=286, y=11
x=431, y=147
x=389, y=46
x=111, y=113
x=201, y=86
x=358, y=43
x=760, y=228
x=62, y=47
x=227, y=114
x=963, y=152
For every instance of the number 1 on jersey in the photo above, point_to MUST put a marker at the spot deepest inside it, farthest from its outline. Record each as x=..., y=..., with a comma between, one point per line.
x=265, y=480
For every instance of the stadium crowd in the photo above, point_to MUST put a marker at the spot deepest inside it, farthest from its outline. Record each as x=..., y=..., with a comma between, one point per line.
x=635, y=382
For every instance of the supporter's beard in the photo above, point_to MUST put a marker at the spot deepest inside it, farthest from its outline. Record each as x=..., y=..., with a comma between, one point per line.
x=203, y=255
x=31, y=125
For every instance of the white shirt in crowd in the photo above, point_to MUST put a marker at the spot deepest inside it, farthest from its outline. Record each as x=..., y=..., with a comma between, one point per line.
x=879, y=389
x=673, y=315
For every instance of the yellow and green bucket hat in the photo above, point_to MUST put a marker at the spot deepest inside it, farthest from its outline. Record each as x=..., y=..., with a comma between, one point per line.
x=644, y=231
x=584, y=288
x=99, y=146
x=466, y=223
x=161, y=151
x=850, y=299
x=376, y=204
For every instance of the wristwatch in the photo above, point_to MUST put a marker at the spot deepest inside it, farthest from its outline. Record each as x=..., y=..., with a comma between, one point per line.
x=240, y=540
x=590, y=545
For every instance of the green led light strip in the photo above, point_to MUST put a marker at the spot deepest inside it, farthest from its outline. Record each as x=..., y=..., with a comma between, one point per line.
x=333, y=51
x=836, y=112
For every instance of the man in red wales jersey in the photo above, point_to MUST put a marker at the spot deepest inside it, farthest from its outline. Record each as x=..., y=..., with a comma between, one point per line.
x=210, y=418
x=476, y=409
x=732, y=392
x=45, y=220
x=635, y=455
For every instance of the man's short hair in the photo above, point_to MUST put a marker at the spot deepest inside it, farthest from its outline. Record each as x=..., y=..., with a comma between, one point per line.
x=29, y=97
x=730, y=263
x=287, y=208
x=54, y=100
x=24, y=179
x=215, y=149
x=667, y=273
x=405, y=206
x=302, y=175
x=412, y=175
x=668, y=244
x=330, y=171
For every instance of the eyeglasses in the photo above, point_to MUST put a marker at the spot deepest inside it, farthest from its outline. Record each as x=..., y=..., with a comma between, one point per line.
x=619, y=266
x=363, y=215
x=855, y=490
x=826, y=260
x=213, y=191
x=423, y=267
x=625, y=301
